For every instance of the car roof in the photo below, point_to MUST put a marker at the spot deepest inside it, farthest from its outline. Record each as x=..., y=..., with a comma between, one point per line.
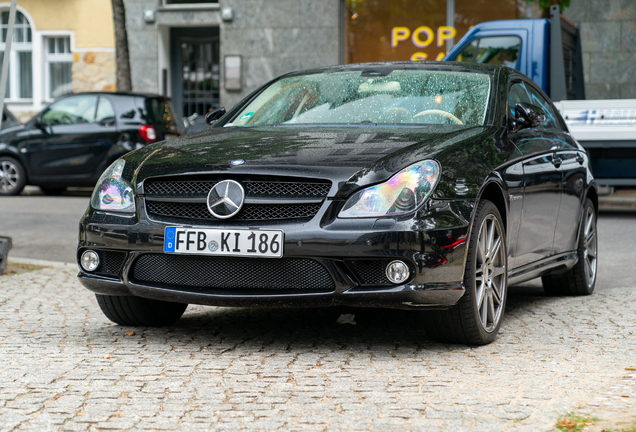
x=131, y=94
x=416, y=65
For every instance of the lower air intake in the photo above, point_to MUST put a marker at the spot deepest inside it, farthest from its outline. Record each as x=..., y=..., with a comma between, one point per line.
x=235, y=274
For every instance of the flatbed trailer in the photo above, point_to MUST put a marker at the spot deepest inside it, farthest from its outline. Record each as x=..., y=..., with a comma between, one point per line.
x=607, y=130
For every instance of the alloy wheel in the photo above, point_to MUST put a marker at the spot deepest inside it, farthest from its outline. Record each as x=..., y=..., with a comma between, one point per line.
x=589, y=247
x=9, y=176
x=490, y=273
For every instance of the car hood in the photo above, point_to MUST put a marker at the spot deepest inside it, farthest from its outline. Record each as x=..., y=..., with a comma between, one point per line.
x=351, y=156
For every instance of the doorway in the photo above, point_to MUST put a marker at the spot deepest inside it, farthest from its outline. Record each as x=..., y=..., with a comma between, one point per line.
x=195, y=70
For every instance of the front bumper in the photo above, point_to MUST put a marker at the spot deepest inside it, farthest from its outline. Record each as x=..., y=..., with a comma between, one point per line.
x=431, y=242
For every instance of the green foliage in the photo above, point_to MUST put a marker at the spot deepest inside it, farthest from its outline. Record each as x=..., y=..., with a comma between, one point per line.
x=574, y=422
x=545, y=4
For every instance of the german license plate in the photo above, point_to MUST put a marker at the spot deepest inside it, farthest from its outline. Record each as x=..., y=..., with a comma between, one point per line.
x=222, y=242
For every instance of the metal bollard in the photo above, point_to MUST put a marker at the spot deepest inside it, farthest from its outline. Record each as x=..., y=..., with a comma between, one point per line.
x=5, y=246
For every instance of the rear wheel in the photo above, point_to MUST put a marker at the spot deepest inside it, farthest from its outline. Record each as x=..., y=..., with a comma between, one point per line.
x=12, y=177
x=476, y=318
x=138, y=311
x=581, y=278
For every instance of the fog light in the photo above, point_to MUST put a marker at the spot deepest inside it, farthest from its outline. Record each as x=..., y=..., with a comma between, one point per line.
x=397, y=272
x=89, y=260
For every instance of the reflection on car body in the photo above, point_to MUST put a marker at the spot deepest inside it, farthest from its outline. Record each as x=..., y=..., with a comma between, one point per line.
x=406, y=185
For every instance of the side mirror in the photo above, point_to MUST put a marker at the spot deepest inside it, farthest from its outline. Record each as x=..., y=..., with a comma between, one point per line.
x=528, y=116
x=213, y=116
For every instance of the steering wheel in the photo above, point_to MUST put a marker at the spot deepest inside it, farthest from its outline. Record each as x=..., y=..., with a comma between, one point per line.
x=445, y=114
x=66, y=119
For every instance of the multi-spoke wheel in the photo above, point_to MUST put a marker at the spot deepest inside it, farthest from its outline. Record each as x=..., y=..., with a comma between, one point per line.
x=11, y=176
x=581, y=278
x=490, y=274
x=476, y=318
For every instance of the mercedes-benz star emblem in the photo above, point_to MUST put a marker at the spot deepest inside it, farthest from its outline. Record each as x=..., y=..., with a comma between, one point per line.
x=225, y=199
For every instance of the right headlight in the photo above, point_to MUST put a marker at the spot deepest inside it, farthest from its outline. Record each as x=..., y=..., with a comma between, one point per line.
x=402, y=193
x=112, y=192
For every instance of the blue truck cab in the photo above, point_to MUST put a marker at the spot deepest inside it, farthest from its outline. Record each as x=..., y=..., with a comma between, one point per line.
x=548, y=51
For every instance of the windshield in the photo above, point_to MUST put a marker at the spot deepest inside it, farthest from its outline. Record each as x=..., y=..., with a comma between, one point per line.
x=401, y=97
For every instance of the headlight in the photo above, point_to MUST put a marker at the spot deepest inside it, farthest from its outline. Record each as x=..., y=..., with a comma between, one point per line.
x=113, y=193
x=403, y=193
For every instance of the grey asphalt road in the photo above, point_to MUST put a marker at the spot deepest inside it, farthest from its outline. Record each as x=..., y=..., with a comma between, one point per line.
x=45, y=227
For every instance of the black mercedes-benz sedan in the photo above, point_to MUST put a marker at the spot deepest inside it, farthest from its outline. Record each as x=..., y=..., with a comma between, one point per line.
x=73, y=140
x=416, y=185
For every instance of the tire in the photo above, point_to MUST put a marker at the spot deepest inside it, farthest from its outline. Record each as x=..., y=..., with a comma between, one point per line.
x=52, y=190
x=476, y=318
x=138, y=311
x=12, y=176
x=580, y=279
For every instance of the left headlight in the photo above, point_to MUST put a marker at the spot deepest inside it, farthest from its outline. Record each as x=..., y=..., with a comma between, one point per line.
x=112, y=192
x=402, y=193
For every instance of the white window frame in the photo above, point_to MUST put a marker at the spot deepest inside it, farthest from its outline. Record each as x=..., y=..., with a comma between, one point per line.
x=48, y=58
x=14, y=73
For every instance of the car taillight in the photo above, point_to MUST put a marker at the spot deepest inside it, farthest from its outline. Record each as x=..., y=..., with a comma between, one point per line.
x=148, y=133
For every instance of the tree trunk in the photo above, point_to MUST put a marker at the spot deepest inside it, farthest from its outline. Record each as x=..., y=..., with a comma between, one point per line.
x=121, y=47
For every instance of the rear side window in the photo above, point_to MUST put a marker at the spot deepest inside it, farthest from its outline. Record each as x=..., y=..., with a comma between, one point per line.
x=160, y=114
x=105, y=110
x=496, y=50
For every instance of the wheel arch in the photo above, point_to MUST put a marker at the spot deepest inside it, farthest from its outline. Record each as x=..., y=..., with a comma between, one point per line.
x=493, y=192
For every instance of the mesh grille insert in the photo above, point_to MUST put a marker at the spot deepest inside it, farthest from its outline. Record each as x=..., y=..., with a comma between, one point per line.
x=370, y=272
x=233, y=273
x=249, y=212
x=110, y=263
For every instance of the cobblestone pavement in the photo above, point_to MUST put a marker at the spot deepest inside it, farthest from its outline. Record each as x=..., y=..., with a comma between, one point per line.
x=63, y=366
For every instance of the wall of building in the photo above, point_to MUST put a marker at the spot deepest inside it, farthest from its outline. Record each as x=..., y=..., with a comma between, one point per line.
x=89, y=24
x=608, y=42
x=272, y=36
x=90, y=20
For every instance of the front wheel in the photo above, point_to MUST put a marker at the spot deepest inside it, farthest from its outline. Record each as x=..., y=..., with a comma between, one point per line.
x=138, y=311
x=581, y=278
x=476, y=318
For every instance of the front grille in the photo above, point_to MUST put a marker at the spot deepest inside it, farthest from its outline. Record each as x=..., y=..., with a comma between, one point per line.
x=370, y=272
x=173, y=188
x=235, y=274
x=110, y=263
x=248, y=212
x=301, y=198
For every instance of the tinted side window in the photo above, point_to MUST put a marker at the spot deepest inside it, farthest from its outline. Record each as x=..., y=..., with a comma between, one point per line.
x=516, y=93
x=71, y=110
x=501, y=50
x=540, y=101
x=105, y=110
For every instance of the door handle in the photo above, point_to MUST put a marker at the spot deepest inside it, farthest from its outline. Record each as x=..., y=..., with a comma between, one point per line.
x=556, y=161
x=580, y=159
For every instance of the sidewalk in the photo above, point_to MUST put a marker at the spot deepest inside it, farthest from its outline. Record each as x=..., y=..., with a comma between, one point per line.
x=63, y=366
x=620, y=200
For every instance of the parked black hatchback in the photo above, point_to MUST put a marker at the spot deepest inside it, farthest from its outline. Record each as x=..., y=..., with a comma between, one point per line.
x=73, y=140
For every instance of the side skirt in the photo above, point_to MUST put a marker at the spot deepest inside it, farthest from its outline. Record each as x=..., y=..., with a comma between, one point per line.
x=553, y=264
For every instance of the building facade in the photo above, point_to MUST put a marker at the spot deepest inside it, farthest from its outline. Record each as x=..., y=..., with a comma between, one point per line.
x=210, y=53
x=59, y=47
